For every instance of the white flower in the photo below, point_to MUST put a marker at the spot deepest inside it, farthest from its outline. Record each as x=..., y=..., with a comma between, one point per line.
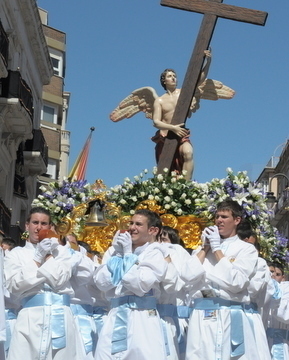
x=155, y=170
x=122, y=201
x=188, y=201
x=167, y=198
x=142, y=193
x=145, y=171
x=136, y=178
x=173, y=203
x=173, y=180
x=156, y=190
x=166, y=170
x=160, y=177
x=183, y=196
x=179, y=211
x=157, y=198
x=229, y=170
x=126, y=180
x=132, y=212
x=170, y=192
x=167, y=206
x=151, y=197
x=134, y=198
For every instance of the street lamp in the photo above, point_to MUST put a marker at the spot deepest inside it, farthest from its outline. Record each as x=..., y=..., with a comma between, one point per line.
x=270, y=198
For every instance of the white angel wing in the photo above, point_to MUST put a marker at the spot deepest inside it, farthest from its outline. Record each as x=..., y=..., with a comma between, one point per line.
x=141, y=99
x=210, y=90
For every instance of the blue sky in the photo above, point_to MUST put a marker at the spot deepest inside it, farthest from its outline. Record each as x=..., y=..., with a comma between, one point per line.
x=116, y=46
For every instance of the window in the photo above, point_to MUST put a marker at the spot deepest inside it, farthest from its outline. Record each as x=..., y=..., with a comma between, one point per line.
x=49, y=114
x=51, y=168
x=57, y=61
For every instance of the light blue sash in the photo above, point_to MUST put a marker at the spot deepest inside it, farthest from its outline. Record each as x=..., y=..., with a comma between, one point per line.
x=251, y=308
x=175, y=312
x=56, y=302
x=10, y=314
x=278, y=336
x=98, y=313
x=237, y=310
x=83, y=314
x=119, y=266
x=119, y=336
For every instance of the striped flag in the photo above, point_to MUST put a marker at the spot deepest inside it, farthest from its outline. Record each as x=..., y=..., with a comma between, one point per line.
x=78, y=170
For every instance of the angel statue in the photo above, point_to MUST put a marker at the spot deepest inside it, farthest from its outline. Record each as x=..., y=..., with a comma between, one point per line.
x=161, y=110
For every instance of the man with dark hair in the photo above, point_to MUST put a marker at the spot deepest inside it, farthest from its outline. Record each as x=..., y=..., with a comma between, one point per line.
x=8, y=243
x=39, y=275
x=218, y=326
x=131, y=279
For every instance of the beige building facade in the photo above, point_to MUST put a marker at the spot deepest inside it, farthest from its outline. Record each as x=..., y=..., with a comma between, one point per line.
x=275, y=180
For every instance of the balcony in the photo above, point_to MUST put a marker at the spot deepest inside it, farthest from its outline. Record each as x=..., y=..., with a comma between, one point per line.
x=16, y=105
x=5, y=218
x=4, y=46
x=36, y=154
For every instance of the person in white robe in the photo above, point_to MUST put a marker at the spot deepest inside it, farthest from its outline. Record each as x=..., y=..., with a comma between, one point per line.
x=81, y=302
x=218, y=327
x=39, y=275
x=278, y=323
x=173, y=304
x=259, y=289
x=131, y=280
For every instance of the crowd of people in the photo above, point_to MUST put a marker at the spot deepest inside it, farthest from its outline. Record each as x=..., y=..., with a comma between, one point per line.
x=146, y=298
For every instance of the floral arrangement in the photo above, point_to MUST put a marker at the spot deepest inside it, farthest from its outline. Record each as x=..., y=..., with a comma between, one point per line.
x=60, y=198
x=178, y=197
x=171, y=191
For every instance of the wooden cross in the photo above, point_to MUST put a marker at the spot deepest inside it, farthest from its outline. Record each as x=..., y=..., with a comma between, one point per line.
x=212, y=10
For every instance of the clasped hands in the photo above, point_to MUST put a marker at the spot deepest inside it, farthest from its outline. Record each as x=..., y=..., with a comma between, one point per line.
x=122, y=243
x=45, y=247
x=210, y=236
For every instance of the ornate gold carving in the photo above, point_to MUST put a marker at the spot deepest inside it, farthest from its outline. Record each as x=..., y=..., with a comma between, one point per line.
x=99, y=237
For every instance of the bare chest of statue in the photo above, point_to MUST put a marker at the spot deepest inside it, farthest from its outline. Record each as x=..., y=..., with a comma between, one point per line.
x=169, y=102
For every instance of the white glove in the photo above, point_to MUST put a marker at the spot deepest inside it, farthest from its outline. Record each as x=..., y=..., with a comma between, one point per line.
x=124, y=240
x=54, y=246
x=42, y=249
x=212, y=233
x=117, y=247
x=205, y=240
x=164, y=248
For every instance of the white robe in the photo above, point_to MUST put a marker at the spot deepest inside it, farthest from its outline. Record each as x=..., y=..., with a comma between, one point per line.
x=175, y=292
x=279, y=319
x=31, y=337
x=258, y=289
x=144, y=330
x=209, y=333
x=85, y=325
x=2, y=309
